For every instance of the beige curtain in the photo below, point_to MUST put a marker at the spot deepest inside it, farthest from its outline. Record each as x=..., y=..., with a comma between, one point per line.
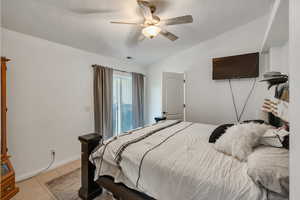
x=103, y=83
x=137, y=100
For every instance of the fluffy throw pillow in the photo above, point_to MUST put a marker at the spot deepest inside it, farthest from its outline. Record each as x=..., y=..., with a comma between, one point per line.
x=269, y=166
x=218, y=132
x=239, y=140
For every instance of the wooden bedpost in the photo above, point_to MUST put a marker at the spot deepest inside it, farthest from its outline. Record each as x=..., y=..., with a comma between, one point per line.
x=89, y=188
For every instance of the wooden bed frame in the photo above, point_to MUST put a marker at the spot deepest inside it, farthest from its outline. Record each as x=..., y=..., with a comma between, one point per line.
x=90, y=189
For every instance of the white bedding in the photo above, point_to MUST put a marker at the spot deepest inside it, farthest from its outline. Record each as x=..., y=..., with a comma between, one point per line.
x=185, y=167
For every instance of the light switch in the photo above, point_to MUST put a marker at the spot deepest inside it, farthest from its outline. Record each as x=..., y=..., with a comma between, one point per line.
x=87, y=108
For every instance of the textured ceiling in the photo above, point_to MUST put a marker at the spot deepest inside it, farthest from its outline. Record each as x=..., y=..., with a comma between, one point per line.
x=84, y=24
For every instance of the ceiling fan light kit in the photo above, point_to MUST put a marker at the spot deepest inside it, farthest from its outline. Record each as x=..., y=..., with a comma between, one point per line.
x=151, y=25
x=151, y=31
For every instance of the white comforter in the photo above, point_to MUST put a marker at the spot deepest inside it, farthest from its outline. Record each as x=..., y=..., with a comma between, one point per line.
x=185, y=167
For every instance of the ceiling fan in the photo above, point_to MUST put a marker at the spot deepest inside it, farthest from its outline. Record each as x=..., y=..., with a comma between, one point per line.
x=152, y=25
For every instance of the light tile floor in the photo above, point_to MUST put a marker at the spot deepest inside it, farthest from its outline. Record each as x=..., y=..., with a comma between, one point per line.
x=35, y=188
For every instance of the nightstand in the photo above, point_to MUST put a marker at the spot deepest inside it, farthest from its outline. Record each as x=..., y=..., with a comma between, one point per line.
x=157, y=119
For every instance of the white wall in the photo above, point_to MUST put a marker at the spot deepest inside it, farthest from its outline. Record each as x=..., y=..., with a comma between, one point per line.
x=49, y=99
x=294, y=98
x=279, y=58
x=210, y=101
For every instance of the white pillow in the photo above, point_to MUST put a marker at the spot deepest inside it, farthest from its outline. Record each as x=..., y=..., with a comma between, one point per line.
x=274, y=137
x=269, y=166
x=239, y=140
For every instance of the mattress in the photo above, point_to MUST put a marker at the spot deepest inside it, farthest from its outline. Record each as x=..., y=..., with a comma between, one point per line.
x=174, y=162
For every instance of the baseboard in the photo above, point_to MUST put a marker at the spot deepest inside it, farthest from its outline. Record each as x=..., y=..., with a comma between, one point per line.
x=55, y=165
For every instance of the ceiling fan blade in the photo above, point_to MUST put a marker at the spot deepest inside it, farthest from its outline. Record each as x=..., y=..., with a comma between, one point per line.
x=129, y=23
x=168, y=35
x=144, y=5
x=178, y=20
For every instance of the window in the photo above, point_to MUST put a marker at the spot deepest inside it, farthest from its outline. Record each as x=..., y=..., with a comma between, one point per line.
x=122, y=102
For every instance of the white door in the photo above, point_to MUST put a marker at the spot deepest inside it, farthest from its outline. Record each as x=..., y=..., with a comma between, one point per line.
x=173, y=103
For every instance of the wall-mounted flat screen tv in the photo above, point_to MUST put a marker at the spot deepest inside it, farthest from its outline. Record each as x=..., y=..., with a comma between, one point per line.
x=235, y=67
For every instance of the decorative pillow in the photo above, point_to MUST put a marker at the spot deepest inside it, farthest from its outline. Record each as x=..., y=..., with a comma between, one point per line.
x=286, y=142
x=269, y=167
x=274, y=137
x=218, y=132
x=239, y=140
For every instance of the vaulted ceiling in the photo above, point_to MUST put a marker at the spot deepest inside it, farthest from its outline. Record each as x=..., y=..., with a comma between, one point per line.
x=84, y=24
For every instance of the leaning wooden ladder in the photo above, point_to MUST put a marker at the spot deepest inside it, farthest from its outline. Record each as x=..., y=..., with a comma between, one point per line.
x=8, y=185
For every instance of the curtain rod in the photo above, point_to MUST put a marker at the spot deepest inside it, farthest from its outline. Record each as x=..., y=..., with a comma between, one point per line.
x=116, y=69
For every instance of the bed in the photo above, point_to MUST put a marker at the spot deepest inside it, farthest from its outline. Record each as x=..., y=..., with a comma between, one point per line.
x=167, y=160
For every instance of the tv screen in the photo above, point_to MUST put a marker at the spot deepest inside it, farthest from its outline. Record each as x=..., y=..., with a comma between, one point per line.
x=240, y=66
